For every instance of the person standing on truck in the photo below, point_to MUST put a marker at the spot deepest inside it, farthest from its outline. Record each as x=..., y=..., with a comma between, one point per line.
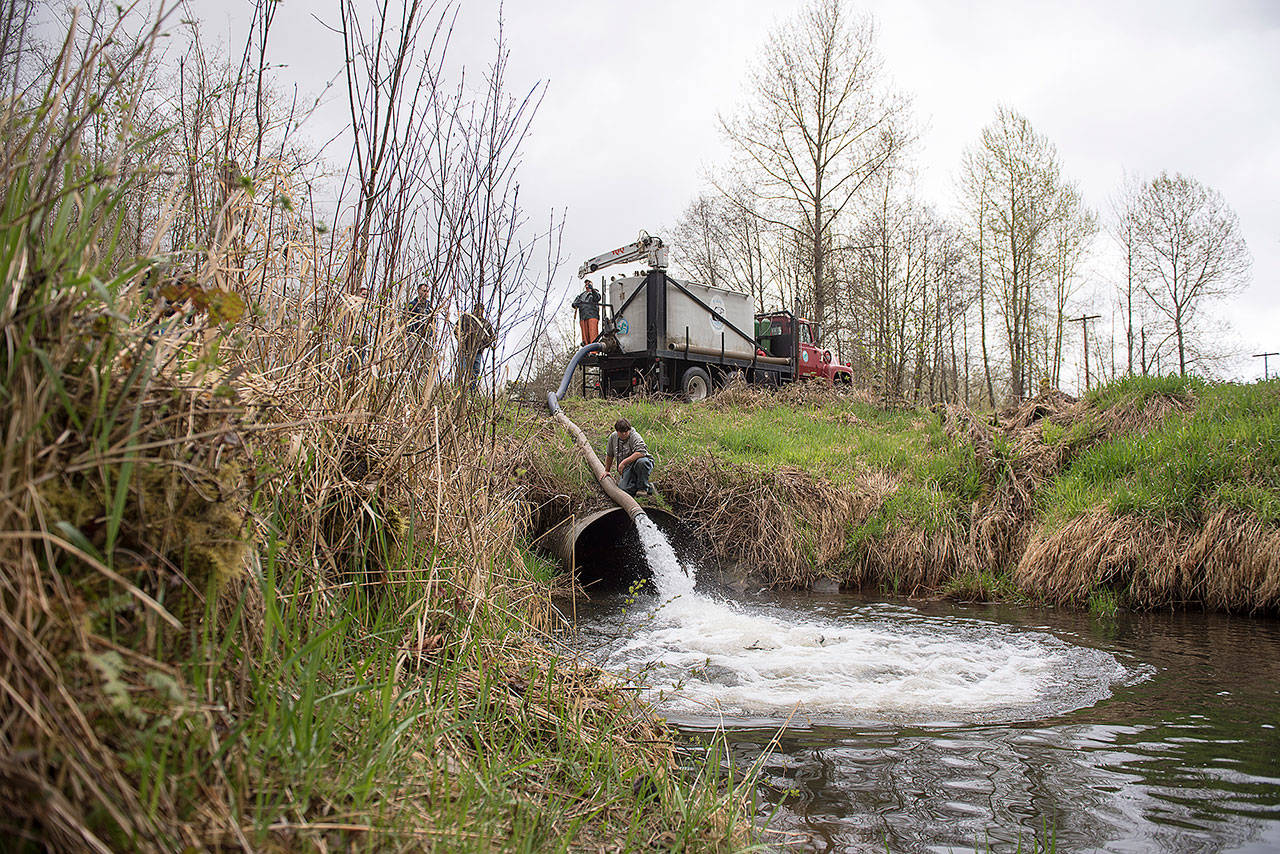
x=587, y=304
x=634, y=463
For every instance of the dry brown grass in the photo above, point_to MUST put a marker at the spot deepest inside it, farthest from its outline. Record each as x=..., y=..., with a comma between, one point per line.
x=79, y=574
x=1232, y=562
x=783, y=518
x=1140, y=416
x=163, y=458
x=914, y=559
x=120, y=528
x=1002, y=521
x=739, y=396
x=791, y=528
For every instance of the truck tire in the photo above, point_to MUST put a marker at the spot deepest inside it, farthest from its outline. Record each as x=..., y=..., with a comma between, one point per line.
x=695, y=384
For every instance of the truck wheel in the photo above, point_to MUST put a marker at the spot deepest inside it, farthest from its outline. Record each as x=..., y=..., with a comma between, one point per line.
x=695, y=384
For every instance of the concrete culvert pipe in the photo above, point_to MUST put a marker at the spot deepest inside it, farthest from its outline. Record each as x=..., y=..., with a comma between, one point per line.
x=604, y=550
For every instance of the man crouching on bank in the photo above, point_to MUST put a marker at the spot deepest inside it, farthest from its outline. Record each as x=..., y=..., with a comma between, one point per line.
x=634, y=463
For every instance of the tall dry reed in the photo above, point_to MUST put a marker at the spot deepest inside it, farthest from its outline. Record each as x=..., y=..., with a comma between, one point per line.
x=262, y=587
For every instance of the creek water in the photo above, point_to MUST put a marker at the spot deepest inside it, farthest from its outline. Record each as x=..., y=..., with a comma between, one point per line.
x=931, y=726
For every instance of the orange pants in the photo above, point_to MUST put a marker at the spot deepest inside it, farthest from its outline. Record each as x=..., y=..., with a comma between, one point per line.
x=590, y=327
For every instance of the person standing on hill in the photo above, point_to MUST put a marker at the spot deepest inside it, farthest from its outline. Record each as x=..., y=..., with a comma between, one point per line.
x=418, y=313
x=587, y=304
x=475, y=334
x=634, y=463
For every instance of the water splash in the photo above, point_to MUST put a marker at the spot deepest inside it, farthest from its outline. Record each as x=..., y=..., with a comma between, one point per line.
x=669, y=576
x=700, y=657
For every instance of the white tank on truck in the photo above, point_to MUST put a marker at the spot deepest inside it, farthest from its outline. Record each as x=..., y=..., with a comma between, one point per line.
x=661, y=334
x=696, y=318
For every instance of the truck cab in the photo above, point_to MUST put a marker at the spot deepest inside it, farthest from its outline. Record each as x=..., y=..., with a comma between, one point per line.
x=783, y=334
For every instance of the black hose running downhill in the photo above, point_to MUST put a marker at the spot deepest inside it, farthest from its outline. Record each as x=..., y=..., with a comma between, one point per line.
x=604, y=478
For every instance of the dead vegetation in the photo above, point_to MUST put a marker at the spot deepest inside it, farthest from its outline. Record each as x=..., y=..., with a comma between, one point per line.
x=779, y=517
x=1230, y=563
x=262, y=585
x=739, y=396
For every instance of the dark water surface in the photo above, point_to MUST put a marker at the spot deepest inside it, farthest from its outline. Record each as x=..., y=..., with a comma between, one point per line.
x=1182, y=754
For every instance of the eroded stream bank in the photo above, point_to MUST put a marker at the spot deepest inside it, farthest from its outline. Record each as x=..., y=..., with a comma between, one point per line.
x=934, y=726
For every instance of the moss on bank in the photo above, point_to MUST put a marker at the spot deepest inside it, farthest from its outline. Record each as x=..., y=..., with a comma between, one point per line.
x=1153, y=491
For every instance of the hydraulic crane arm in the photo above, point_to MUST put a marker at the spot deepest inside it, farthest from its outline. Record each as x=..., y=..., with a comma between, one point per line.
x=650, y=248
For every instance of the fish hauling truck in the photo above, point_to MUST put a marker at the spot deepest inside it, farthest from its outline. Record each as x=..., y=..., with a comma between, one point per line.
x=665, y=335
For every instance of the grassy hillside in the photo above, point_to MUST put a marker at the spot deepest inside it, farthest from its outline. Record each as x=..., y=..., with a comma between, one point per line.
x=808, y=483
x=1224, y=453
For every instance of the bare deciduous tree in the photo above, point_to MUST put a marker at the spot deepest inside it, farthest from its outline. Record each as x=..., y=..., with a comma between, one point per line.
x=1029, y=222
x=1070, y=237
x=822, y=124
x=1120, y=226
x=975, y=190
x=1189, y=249
x=723, y=242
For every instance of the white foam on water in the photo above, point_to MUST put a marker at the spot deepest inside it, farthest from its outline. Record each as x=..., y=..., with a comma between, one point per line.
x=699, y=657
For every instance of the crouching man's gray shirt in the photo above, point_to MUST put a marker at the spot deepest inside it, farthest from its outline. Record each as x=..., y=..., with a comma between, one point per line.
x=620, y=450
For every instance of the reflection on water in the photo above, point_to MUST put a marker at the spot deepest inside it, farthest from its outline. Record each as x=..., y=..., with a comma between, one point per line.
x=1182, y=756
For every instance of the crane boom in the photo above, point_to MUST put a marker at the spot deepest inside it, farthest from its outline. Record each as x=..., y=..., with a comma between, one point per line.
x=646, y=246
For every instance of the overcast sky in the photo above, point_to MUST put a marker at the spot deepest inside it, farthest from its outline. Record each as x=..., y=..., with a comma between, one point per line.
x=628, y=127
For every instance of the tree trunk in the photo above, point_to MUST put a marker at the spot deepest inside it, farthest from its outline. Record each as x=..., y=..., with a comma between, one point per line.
x=819, y=288
x=1129, y=296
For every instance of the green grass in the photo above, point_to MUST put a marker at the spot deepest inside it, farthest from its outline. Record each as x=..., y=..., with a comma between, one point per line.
x=338, y=736
x=981, y=586
x=938, y=476
x=1140, y=389
x=1104, y=603
x=1224, y=454
x=1151, y=447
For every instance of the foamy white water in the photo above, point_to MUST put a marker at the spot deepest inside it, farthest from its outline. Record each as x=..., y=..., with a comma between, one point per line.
x=669, y=577
x=704, y=657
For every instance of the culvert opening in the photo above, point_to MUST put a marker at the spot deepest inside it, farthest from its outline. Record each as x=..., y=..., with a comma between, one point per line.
x=605, y=551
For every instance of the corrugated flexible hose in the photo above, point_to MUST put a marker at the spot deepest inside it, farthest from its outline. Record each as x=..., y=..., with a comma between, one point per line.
x=604, y=478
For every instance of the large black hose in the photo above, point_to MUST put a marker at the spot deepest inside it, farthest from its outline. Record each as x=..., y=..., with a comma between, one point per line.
x=554, y=397
x=604, y=478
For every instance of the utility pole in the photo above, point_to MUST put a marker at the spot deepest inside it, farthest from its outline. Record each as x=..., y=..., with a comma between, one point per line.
x=1265, y=357
x=1083, y=320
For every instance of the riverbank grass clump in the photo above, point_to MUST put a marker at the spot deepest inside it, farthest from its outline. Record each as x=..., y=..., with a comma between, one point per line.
x=1178, y=510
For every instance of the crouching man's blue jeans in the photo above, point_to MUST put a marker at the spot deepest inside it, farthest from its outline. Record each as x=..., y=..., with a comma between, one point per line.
x=635, y=477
